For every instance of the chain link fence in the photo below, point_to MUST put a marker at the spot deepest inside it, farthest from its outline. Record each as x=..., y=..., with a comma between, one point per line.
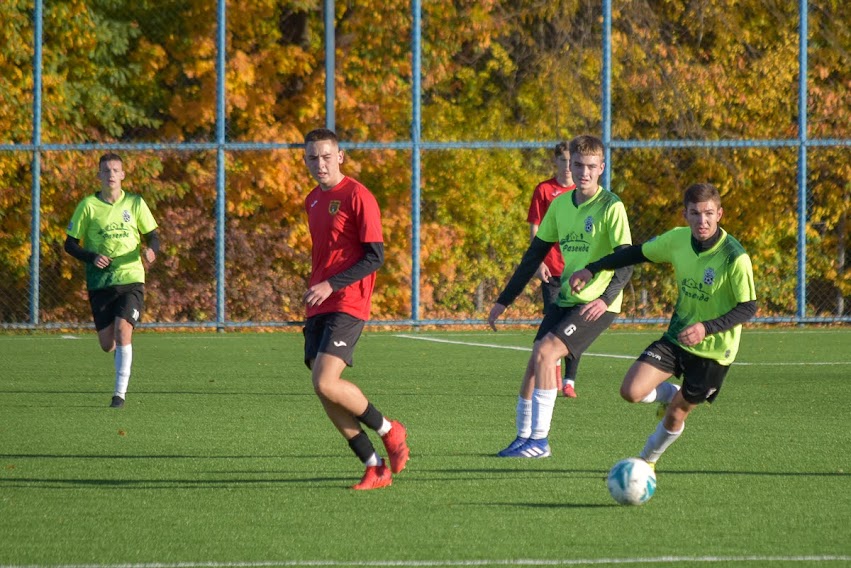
x=208, y=105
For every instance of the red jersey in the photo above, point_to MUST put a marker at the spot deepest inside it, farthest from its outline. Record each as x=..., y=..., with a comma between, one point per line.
x=543, y=195
x=340, y=219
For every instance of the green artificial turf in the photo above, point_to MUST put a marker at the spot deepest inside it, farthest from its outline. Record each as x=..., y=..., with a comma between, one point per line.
x=224, y=457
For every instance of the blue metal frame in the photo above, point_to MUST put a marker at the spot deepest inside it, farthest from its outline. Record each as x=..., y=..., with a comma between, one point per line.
x=416, y=145
x=416, y=155
x=330, y=65
x=35, y=227
x=803, y=34
x=221, y=142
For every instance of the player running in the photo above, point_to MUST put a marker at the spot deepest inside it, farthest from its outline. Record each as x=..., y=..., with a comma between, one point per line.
x=110, y=224
x=348, y=248
x=716, y=296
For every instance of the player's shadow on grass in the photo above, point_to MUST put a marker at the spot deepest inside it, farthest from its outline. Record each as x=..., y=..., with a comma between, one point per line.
x=599, y=473
x=162, y=484
x=150, y=392
x=546, y=505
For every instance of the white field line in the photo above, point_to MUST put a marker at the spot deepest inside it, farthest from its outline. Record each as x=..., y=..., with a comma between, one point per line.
x=606, y=355
x=494, y=562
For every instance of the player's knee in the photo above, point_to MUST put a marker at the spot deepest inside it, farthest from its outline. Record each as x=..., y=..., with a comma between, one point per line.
x=629, y=394
x=545, y=357
x=106, y=341
x=324, y=388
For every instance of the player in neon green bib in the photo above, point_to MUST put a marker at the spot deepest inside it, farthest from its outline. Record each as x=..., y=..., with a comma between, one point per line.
x=105, y=233
x=716, y=296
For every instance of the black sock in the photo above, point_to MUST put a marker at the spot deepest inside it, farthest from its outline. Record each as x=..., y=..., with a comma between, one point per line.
x=371, y=417
x=362, y=447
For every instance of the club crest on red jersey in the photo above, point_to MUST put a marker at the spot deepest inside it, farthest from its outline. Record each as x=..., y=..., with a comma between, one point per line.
x=333, y=207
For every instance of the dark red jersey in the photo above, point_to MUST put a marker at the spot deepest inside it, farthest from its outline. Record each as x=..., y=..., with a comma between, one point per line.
x=543, y=195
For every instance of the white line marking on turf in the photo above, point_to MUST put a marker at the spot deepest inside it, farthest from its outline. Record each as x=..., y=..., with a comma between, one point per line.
x=495, y=346
x=609, y=356
x=412, y=563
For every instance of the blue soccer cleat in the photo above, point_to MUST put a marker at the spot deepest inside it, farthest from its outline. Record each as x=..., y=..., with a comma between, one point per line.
x=518, y=441
x=531, y=449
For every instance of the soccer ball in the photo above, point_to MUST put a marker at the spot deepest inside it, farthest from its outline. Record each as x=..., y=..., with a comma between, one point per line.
x=631, y=481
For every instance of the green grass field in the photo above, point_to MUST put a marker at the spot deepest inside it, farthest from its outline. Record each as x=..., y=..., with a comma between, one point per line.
x=223, y=457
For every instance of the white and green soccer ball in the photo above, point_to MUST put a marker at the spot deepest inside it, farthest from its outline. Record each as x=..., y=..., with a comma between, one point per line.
x=631, y=481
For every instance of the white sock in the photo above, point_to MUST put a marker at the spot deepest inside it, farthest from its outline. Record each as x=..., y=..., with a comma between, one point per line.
x=570, y=382
x=524, y=417
x=664, y=392
x=123, y=361
x=658, y=442
x=543, y=403
x=373, y=460
x=385, y=427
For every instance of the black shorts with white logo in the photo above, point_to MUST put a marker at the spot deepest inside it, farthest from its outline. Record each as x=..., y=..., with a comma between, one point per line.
x=126, y=301
x=576, y=333
x=335, y=334
x=702, y=377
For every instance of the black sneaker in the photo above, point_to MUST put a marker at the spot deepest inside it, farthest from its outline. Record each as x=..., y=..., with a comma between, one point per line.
x=117, y=402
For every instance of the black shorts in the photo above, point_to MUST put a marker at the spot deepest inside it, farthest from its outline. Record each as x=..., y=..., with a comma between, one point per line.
x=126, y=301
x=576, y=333
x=702, y=377
x=550, y=291
x=335, y=334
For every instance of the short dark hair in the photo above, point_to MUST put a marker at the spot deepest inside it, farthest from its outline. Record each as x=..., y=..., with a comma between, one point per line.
x=110, y=157
x=560, y=148
x=701, y=193
x=321, y=134
x=587, y=145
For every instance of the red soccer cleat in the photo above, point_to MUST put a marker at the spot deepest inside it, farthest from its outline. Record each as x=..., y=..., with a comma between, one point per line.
x=397, y=448
x=375, y=477
x=567, y=390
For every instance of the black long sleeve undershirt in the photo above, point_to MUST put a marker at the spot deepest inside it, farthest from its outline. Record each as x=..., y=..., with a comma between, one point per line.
x=532, y=259
x=152, y=240
x=373, y=258
x=625, y=256
x=529, y=264
x=618, y=282
x=72, y=247
x=741, y=312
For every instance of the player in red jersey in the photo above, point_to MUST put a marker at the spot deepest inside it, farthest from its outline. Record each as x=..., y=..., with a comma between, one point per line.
x=348, y=249
x=549, y=273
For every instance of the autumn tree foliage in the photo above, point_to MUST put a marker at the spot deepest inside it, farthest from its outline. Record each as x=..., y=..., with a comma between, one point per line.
x=494, y=70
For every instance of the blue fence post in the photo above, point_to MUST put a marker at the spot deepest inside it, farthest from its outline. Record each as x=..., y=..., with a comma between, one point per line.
x=330, y=65
x=416, y=149
x=607, y=93
x=221, y=79
x=802, y=160
x=35, y=224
